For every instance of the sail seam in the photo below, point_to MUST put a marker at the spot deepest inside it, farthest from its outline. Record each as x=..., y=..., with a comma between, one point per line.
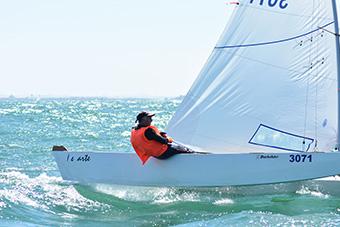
x=283, y=68
x=275, y=42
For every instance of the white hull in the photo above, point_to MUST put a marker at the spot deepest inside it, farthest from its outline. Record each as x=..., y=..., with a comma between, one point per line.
x=195, y=170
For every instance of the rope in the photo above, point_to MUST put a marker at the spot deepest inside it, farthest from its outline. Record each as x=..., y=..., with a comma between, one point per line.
x=277, y=41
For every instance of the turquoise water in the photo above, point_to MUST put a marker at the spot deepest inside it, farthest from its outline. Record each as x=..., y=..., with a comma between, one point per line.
x=32, y=192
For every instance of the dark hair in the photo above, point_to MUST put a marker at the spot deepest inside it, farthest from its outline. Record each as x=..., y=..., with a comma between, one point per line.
x=143, y=114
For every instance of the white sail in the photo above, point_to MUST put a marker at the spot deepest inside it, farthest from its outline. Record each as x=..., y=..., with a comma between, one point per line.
x=270, y=82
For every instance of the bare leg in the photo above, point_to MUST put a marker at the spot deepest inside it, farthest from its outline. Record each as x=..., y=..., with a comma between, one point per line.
x=173, y=150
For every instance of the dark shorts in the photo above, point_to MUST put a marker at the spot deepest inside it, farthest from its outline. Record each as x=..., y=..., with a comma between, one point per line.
x=173, y=150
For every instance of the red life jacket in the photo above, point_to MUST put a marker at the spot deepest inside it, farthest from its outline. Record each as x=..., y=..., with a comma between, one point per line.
x=146, y=148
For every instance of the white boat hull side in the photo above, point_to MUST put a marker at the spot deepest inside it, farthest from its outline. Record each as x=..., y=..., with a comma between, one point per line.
x=195, y=170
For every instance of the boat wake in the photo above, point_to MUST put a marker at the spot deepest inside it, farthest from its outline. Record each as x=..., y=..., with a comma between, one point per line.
x=152, y=195
x=214, y=195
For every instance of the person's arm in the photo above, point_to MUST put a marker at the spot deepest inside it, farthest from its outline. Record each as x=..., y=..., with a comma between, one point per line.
x=164, y=135
x=150, y=134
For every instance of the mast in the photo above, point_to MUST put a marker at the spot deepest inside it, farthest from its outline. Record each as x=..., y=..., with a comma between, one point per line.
x=336, y=24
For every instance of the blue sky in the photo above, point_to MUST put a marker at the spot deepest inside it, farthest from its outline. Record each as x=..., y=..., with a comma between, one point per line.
x=115, y=48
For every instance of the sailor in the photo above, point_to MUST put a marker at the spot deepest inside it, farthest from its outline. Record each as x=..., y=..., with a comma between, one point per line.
x=148, y=141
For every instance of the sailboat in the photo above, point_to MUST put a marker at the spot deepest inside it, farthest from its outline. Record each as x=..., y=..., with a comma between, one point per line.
x=265, y=106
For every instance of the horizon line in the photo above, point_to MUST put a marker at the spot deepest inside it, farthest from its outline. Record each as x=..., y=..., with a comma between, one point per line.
x=85, y=96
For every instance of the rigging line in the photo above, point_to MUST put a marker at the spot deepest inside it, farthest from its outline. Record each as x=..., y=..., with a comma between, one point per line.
x=333, y=33
x=275, y=42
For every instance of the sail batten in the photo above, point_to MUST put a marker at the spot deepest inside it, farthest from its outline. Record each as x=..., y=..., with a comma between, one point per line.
x=274, y=67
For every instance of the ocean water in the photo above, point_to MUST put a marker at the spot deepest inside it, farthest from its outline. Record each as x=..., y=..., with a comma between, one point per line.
x=32, y=193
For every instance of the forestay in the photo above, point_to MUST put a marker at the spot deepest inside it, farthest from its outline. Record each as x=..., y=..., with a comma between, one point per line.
x=270, y=83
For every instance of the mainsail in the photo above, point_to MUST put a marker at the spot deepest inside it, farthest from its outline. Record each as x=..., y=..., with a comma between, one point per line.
x=270, y=83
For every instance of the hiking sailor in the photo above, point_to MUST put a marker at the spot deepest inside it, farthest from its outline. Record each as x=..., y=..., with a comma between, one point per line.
x=148, y=141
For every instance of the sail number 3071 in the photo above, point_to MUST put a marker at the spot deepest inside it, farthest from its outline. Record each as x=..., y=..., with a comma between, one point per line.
x=271, y=3
x=300, y=158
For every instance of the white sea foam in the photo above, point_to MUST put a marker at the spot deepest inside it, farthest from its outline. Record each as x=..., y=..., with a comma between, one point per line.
x=116, y=125
x=225, y=201
x=92, y=134
x=8, y=111
x=31, y=111
x=2, y=204
x=29, y=105
x=173, y=196
x=20, y=195
x=43, y=192
x=13, y=145
x=68, y=216
x=126, y=134
x=306, y=191
x=91, y=119
x=147, y=194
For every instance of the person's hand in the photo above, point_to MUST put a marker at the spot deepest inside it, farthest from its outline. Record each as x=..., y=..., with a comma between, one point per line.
x=163, y=134
x=170, y=140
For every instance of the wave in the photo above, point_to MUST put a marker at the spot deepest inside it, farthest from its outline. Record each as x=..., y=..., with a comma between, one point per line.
x=43, y=192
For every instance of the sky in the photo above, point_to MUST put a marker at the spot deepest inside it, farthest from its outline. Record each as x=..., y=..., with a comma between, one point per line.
x=111, y=48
